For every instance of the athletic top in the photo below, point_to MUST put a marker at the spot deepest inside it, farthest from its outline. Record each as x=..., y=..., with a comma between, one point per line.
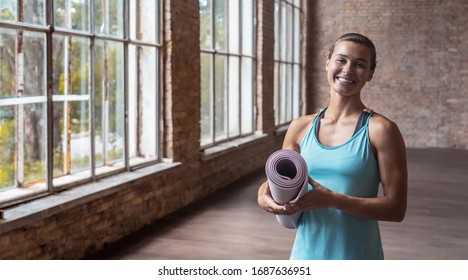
x=351, y=169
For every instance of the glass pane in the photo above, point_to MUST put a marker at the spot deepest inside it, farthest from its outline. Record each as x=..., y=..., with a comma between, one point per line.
x=220, y=22
x=32, y=135
x=247, y=95
x=34, y=64
x=282, y=94
x=297, y=36
x=109, y=102
x=8, y=10
x=234, y=26
x=277, y=30
x=206, y=99
x=247, y=27
x=72, y=14
x=283, y=32
x=288, y=93
x=144, y=21
x=34, y=11
x=108, y=15
x=289, y=33
x=7, y=147
x=206, y=36
x=8, y=63
x=142, y=102
x=276, y=93
x=71, y=65
x=233, y=97
x=80, y=136
x=296, y=91
x=220, y=97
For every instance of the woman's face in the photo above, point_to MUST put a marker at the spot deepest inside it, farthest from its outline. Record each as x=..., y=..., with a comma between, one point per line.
x=349, y=68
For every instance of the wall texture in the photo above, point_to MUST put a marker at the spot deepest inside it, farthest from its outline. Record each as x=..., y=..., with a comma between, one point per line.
x=421, y=80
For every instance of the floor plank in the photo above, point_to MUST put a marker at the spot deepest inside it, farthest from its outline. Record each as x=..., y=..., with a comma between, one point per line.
x=230, y=225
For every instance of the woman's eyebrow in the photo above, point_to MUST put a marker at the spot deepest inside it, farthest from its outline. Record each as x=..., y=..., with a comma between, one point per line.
x=359, y=58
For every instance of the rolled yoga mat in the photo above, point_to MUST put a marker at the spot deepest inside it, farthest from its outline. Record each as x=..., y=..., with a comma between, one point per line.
x=287, y=176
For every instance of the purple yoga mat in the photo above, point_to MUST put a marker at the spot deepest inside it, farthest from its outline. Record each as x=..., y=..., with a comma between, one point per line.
x=287, y=176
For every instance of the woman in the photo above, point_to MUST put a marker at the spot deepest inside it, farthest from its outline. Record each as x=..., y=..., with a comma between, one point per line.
x=349, y=151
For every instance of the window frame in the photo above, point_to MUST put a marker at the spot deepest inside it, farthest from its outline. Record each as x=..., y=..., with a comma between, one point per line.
x=17, y=194
x=283, y=115
x=213, y=53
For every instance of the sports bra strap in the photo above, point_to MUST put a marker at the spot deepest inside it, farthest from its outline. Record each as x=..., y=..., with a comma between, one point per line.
x=362, y=121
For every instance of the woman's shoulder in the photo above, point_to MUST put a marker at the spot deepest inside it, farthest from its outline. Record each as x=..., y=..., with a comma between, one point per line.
x=381, y=123
x=382, y=129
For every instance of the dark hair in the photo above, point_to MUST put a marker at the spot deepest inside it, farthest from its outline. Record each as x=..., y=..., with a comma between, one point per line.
x=360, y=39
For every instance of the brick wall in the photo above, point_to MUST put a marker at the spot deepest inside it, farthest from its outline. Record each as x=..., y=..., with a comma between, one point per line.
x=84, y=227
x=421, y=78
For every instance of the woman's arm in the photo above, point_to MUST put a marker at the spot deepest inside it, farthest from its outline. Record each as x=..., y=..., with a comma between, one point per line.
x=391, y=157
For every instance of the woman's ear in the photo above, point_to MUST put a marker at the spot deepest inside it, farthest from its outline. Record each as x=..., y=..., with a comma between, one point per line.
x=326, y=64
x=371, y=75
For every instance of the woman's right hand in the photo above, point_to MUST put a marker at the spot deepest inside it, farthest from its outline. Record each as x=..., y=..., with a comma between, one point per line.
x=266, y=202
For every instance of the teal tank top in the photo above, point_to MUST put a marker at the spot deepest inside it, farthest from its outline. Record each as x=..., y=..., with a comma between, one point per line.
x=350, y=169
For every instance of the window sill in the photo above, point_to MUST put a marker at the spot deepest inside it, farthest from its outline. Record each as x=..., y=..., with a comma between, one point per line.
x=226, y=147
x=21, y=215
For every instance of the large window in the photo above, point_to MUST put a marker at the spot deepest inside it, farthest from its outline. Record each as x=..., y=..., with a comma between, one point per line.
x=287, y=79
x=79, y=91
x=227, y=36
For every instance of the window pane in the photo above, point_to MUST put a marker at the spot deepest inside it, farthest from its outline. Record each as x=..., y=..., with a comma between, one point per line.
x=289, y=33
x=71, y=65
x=234, y=94
x=142, y=99
x=288, y=93
x=282, y=93
x=220, y=22
x=277, y=84
x=234, y=26
x=72, y=14
x=108, y=16
x=283, y=32
x=34, y=11
x=8, y=10
x=34, y=79
x=144, y=21
x=247, y=95
x=206, y=99
x=247, y=27
x=206, y=36
x=296, y=94
x=220, y=97
x=8, y=63
x=72, y=140
x=109, y=102
x=297, y=36
x=277, y=30
x=7, y=147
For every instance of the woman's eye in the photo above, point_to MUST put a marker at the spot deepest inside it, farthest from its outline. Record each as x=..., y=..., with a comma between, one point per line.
x=340, y=60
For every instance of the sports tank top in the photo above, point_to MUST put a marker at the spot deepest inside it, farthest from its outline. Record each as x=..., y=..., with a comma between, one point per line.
x=351, y=169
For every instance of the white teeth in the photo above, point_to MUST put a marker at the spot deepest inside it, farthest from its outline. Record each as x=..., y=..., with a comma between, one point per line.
x=344, y=80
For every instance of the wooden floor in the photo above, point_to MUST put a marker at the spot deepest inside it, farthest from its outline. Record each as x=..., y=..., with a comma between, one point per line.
x=230, y=225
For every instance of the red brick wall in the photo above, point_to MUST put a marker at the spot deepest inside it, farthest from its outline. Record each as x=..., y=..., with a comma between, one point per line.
x=421, y=78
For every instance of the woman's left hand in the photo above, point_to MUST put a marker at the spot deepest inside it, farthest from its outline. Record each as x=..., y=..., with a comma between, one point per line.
x=319, y=197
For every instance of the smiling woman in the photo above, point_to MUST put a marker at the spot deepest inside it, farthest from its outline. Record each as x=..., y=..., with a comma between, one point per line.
x=350, y=151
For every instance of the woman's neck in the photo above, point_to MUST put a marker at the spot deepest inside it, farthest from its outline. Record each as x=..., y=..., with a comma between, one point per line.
x=341, y=107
